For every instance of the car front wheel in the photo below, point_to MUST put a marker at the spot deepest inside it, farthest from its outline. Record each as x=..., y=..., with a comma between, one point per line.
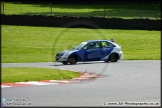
x=72, y=60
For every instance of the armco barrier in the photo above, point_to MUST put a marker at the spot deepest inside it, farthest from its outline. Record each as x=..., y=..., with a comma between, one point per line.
x=84, y=22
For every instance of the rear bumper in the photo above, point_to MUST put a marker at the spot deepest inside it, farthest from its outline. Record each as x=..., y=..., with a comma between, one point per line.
x=120, y=55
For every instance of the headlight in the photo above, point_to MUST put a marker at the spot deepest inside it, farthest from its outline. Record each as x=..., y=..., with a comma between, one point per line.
x=59, y=54
x=66, y=54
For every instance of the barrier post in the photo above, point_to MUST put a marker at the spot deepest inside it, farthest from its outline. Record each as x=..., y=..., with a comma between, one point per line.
x=2, y=7
x=156, y=12
x=88, y=10
x=51, y=8
x=104, y=11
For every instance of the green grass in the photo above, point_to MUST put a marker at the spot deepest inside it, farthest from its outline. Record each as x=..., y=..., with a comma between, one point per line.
x=126, y=11
x=40, y=44
x=23, y=74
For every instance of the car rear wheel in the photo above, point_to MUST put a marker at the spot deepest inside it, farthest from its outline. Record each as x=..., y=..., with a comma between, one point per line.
x=113, y=57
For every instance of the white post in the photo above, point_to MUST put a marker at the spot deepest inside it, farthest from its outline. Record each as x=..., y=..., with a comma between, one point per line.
x=156, y=12
x=21, y=8
x=88, y=10
x=51, y=8
x=2, y=7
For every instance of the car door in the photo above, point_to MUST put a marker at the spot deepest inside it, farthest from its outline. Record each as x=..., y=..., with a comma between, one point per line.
x=106, y=49
x=92, y=51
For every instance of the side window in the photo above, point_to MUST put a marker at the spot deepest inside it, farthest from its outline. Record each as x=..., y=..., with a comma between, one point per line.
x=110, y=44
x=107, y=44
x=92, y=45
x=104, y=44
x=97, y=44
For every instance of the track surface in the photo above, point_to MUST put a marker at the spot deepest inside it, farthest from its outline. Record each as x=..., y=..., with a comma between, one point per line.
x=125, y=83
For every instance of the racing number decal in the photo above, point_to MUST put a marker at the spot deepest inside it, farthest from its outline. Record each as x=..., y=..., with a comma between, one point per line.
x=104, y=44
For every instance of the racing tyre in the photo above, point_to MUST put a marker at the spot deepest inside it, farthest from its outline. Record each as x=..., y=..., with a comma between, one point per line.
x=113, y=57
x=72, y=60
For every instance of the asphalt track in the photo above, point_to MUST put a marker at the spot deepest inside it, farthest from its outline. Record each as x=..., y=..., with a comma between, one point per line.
x=126, y=83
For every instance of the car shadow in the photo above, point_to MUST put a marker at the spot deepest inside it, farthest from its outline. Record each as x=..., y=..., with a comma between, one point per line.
x=79, y=63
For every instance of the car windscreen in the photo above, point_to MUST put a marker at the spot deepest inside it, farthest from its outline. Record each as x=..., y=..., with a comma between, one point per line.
x=80, y=46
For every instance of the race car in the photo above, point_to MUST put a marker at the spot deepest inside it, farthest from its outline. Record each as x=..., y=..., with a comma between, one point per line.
x=91, y=50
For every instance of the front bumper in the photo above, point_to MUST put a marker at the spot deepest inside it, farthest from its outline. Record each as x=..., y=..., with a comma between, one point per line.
x=60, y=58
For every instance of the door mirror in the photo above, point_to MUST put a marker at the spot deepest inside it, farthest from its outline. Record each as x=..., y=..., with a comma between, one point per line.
x=85, y=48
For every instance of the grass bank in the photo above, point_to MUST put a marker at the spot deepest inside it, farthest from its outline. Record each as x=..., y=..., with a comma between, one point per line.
x=40, y=44
x=22, y=74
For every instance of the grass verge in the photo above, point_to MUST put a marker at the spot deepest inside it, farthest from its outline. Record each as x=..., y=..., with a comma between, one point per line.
x=40, y=44
x=22, y=74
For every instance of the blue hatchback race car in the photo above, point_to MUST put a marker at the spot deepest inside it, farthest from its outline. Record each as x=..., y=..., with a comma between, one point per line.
x=92, y=50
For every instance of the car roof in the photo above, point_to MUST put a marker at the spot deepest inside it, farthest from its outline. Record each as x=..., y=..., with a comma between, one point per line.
x=97, y=40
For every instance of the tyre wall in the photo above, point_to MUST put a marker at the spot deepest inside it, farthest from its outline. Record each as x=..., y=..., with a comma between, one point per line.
x=104, y=23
